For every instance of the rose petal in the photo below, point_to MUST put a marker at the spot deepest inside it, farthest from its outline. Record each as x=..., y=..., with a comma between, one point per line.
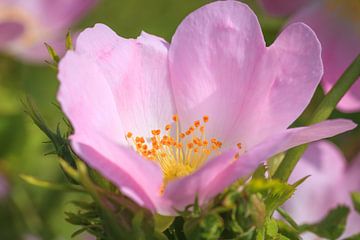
x=137, y=74
x=136, y=177
x=326, y=166
x=220, y=67
x=212, y=57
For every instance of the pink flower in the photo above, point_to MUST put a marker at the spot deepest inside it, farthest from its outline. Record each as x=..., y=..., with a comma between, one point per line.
x=25, y=25
x=169, y=122
x=329, y=174
x=337, y=25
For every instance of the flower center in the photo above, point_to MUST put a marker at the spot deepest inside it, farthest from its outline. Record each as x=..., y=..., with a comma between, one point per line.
x=181, y=155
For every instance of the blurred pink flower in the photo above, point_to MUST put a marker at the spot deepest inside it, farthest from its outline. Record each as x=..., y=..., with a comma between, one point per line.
x=26, y=24
x=329, y=185
x=337, y=25
x=169, y=122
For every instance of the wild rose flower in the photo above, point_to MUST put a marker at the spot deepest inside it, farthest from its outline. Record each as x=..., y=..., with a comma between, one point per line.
x=316, y=196
x=337, y=25
x=25, y=25
x=169, y=122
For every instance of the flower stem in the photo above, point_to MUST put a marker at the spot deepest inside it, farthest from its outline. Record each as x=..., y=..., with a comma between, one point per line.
x=322, y=112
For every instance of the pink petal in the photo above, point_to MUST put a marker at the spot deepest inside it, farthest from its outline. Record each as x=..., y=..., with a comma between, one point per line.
x=136, y=71
x=220, y=67
x=220, y=172
x=326, y=165
x=352, y=183
x=339, y=35
x=10, y=31
x=136, y=177
x=212, y=57
x=87, y=99
x=316, y=196
x=282, y=7
x=290, y=73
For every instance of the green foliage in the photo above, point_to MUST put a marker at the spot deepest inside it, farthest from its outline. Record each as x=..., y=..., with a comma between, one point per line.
x=355, y=196
x=332, y=226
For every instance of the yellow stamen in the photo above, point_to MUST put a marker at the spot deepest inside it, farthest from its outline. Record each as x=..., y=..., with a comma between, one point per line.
x=177, y=156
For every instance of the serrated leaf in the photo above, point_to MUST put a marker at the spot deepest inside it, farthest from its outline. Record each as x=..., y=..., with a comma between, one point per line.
x=332, y=226
x=355, y=196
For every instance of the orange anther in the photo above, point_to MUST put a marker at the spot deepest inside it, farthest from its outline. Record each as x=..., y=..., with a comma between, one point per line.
x=175, y=118
x=197, y=123
x=205, y=119
x=163, y=155
x=182, y=135
x=202, y=129
x=129, y=135
x=190, y=145
x=205, y=142
x=168, y=127
x=188, y=132
x=239, y=145
x=237, y=156
x=196, y=150
x=155, y=132
x=213, y=140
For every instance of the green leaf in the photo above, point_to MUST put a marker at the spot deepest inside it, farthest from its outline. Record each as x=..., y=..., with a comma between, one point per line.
x=353, y=237
x=355, y=196
x=332, y=226
x=274, y=162
x=207, y=227
x=271, y=228
x=260, y=172
x=288, y=231
x=49, y=185
x=163, y=222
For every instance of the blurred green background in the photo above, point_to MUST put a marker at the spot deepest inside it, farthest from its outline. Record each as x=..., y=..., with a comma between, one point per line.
x=29, y=210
